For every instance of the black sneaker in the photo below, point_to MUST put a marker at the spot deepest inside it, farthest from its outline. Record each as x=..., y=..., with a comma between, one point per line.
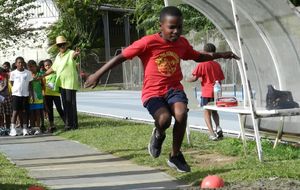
x=178, y=162
x=154, y=146
x=219, y=132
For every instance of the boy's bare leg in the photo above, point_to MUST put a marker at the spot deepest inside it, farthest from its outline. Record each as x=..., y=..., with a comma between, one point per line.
x=216, y=118
x=1, y=120
x=7, y=120
x=162, y=119
x=14, y=117
x=38, y=114
x=13, y=131
x=32, y=119
x=21, y=117
x=176, y=158
x=179, y=111
x=207, y=118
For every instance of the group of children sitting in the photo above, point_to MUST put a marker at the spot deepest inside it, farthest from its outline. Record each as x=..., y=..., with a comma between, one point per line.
x=26, y=97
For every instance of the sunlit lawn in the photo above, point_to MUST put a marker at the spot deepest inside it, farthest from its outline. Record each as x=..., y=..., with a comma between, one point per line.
x=12, y=177
x=225, y=158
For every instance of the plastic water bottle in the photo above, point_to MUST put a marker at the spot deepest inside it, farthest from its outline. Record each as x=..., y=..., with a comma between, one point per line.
x=51, y=85
x=217, y=90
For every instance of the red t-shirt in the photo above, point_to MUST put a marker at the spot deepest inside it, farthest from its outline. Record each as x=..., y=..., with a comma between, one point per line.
x=210, y=72
x=161, y=61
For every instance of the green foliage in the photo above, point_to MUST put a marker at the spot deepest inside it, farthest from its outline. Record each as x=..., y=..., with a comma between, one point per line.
x=13, y=15
x=147, y=14
x=79, y=22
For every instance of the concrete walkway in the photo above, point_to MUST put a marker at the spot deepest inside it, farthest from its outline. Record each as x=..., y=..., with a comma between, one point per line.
x=64, y=164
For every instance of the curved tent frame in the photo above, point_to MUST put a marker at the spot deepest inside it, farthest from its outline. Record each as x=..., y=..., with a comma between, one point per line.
x=266, y=33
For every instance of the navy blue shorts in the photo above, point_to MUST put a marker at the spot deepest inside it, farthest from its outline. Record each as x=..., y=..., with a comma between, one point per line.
x=173, y=96
x=205, y=101
x=20, y=103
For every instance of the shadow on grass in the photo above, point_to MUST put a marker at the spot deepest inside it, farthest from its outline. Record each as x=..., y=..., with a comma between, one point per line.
x=127, y=149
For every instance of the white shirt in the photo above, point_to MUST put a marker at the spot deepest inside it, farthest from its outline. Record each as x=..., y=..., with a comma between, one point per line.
x=21, y=81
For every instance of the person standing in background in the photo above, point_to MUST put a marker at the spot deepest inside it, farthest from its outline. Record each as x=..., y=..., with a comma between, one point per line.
x=21, y=88
x=36, y=101
x=52, y=96
x=65, y=67
x=209, y=72
x=5, y=100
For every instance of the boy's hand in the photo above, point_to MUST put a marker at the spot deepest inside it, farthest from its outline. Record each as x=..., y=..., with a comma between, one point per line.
x=38, y=78
x=229, y=55
x=76, y=53
x=91, y=81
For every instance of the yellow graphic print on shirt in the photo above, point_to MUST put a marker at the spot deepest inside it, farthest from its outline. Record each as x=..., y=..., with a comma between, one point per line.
x=167, y=63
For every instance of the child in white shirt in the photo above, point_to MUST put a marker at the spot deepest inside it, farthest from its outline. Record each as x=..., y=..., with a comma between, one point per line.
x=21, y=86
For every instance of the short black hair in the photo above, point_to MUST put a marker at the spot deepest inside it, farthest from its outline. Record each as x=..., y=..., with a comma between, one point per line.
x=41, y=63
x=48, y=61
x=20, y=58
x=169, y=11
x=6, y=63
x=209, y=47
x=32, y=62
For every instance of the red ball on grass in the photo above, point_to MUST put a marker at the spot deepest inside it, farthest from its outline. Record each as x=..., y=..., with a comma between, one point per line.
x=212, y=182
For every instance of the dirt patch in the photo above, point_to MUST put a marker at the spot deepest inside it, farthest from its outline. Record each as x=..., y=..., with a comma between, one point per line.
x=266, y=184
x=263, y=184
x=204, y=159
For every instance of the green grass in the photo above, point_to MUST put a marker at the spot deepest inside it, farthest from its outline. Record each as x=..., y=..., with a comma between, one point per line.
x=129, y=140
x=12, y=177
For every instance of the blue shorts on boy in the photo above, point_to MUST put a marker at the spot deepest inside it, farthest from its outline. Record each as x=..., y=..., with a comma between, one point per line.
x=205, y=101
x=173, y=96
x=20, y=103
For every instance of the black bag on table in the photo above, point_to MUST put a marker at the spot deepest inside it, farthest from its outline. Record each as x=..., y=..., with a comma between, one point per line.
x=277, y=99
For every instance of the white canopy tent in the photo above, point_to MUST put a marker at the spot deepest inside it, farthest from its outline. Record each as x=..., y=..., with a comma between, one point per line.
x=265, y=34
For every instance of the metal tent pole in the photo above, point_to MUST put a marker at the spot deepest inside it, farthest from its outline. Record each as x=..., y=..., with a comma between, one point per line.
x=247, y=90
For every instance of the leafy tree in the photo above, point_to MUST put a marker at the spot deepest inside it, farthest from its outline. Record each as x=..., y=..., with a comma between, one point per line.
x=146, y=14
x=80, y=20
x=13, y=25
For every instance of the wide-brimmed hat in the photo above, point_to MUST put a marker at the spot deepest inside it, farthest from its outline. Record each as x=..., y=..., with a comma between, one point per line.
x=60, y=40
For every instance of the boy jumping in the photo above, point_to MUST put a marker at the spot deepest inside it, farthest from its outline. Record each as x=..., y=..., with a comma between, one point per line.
x=162, y=92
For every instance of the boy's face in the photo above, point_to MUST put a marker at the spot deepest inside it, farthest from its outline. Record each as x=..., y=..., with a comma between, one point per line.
x=32, y=68
x=20, y=64
x=171, y=28
x=6, y=67
x=47, y=65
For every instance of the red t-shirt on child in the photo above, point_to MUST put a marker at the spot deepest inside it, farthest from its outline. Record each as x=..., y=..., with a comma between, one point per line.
x=210, y=72
x=161, y=61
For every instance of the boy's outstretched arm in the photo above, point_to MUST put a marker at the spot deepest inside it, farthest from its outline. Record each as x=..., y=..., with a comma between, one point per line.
x=207, y=56
x=192, y=79
x=93, y=79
